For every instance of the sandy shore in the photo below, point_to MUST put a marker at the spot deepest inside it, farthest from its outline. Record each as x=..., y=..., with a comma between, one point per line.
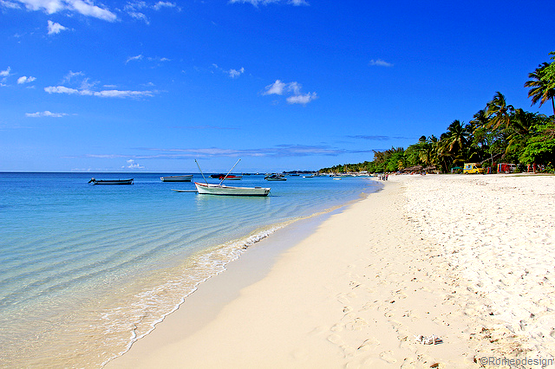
x=468, y=259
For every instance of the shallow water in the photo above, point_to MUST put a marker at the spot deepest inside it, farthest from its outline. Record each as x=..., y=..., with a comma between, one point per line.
x=86, y=270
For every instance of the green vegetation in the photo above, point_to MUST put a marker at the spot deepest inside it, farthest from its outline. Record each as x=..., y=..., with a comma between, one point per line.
x=497, y=133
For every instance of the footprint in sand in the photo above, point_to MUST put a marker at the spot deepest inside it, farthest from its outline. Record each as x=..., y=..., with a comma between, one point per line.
x=336, y=328
x=357, y=324
x=387, y=356
x=335, y=339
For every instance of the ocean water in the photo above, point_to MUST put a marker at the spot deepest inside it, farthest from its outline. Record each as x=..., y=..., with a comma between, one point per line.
x=87, y=270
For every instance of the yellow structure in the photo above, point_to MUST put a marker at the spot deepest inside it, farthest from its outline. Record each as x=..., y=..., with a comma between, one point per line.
x=471, y=168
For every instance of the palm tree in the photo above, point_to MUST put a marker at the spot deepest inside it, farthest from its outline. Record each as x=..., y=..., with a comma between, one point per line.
x=542, y=86
x=500, y=111
x=457, y=138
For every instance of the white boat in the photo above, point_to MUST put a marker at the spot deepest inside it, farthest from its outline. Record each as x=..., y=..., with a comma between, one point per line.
x=219, y=189
x=183, y=178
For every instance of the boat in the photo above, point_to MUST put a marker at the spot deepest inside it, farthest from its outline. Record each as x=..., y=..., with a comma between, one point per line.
x=183, y=178
x=111, y=181
x=219, y=189
x=221, y=176
x=275, y=177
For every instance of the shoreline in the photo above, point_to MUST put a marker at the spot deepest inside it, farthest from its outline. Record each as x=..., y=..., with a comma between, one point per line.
x=359, y=288
x=215, y=292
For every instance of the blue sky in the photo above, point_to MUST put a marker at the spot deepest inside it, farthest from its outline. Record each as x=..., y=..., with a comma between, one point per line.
x=282, y=84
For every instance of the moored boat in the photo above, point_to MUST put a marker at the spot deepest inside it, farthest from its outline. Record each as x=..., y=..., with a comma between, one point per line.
x=275, y=177
x=94, y=181
x=229, y=177
x=219, y=189
x=183, y=178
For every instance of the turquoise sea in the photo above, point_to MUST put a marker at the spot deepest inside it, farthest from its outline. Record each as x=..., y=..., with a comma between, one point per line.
x=87, y=270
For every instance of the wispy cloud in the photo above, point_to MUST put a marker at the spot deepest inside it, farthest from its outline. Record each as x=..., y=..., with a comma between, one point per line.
x=83, y=87
x=284, y=150
x=83, y=7
x=266, y=2
x=9, y=4
x=131, y=164
x=24, y=79
x=379, y=138
x=379, y=63
x=140, y=57
x=291, y=88
x=371, y=138
x=132, y=58
x=104, y=93
x=136, y=9
x=302, y=99
x=45, y=113
x=4, y=74
x=206, y=127
x=233, y=73
x=55, y=28
x=164, y=4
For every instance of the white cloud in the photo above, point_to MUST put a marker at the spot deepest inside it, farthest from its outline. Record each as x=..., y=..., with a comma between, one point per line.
x=275, y=88
x=302, y=99
x=86, y=8
x=233, y=73
x=5, y=73
x=266, y=2
x=55, y=28
x=105, y=93
x=134, y=9
x=132, y=165
x=83, y=87
x=131, y=58
x=68, y=77
x=25, y=79
x=45, y=113
x=380, y=63
x=9, y=4
x=236, y=73
x=163, y=4
x=293, y=89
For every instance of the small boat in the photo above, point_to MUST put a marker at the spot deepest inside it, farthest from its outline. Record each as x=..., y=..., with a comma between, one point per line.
x=111, y=181
x=275, y=177
x=183, y=178
x=222, y=176
x=219, y=189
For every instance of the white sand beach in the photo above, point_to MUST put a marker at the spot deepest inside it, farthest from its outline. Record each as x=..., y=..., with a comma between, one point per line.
x=468, y=259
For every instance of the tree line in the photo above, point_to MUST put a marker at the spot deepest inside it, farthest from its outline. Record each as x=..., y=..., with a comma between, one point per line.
x=498, y=133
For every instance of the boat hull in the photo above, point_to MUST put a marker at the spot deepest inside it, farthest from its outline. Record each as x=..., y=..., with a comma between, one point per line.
x=214, y=189
x=95, y=182
x=184, y=178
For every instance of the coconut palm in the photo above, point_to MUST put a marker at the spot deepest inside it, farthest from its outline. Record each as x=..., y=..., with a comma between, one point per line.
x=456, y=139
x=541, y=86
x=498, y=112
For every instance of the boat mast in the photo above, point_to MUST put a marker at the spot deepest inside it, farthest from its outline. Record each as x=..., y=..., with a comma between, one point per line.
x=201, y=171
x=219, y=184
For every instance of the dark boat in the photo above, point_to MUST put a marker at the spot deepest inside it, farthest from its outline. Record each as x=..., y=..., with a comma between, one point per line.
x=221, y=176
x=111, y=181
